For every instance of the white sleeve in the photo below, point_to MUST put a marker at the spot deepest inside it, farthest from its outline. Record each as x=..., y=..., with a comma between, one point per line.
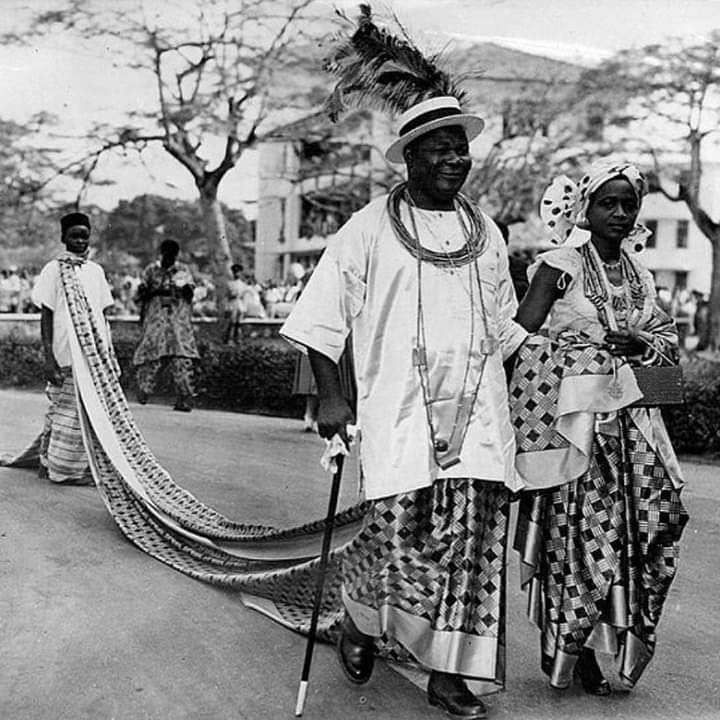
x=511, y=334
x=334, y=296
x=45, y=290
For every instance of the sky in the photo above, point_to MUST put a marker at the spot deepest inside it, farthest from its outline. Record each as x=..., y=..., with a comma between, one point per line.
x=563, y=27
x=82, y=83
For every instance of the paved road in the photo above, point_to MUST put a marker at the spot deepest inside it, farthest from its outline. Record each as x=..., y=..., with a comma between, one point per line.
x=93, y=629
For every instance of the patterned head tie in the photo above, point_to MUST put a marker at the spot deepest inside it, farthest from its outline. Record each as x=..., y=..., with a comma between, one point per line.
x=564, y=204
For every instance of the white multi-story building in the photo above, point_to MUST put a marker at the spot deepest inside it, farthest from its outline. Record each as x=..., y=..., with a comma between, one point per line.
x=678, y=254
x=311, y=179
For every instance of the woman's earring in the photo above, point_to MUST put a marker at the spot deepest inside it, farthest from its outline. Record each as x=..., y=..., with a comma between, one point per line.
x=582, y=222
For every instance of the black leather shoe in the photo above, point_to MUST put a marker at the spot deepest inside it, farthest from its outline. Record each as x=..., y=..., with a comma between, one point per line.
x=591, y=678
x=356, y=653
x=451, y=694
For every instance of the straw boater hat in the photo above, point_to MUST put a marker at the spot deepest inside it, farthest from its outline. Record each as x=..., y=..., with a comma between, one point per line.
x=430, y=115
x=376, y=69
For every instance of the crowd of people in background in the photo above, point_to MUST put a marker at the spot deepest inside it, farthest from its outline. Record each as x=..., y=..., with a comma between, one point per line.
x=260, y=300
x=15, y=289
x=270, y=299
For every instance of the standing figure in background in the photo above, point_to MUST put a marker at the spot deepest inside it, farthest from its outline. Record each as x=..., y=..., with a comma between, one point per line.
x=165, y=298
x=600, y=523
x=26, y=303
x=14, y=286
x=664, y=299
x=252, y=299
x=237, y=288
x=5, y=292
x=701, y=320
x=271, y=296
x=62, y=451
x=304, y=380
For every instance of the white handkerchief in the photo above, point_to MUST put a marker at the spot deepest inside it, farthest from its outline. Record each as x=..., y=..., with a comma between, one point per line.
x=334, y=447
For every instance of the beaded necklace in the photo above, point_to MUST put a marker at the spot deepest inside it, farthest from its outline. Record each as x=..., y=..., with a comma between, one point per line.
x=599, y=290
x=476, y=237
x=447, y=451
x=609, y=300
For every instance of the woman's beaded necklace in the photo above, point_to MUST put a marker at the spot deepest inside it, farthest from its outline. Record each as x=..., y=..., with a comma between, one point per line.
x=613, y=302
x=608, y=299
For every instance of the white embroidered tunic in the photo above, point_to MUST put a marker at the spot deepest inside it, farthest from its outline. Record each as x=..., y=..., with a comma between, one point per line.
x=367, y=282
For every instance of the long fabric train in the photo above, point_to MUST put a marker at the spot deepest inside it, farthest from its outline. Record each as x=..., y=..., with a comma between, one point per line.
x=275, y=569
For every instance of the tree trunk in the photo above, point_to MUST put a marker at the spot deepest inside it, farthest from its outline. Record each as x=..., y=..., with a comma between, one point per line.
x=712, y=341
x=219, y=246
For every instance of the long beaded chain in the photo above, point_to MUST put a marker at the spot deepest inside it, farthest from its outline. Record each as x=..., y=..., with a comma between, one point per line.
x=599, y=290
x=439, y=445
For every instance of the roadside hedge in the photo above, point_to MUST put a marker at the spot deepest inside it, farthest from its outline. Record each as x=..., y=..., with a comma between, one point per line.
x=695, y=426
x=257, y=377
x=251, y=378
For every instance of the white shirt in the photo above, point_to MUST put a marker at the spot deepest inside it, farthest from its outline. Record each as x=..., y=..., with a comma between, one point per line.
x=48, y=291
x=367, y=282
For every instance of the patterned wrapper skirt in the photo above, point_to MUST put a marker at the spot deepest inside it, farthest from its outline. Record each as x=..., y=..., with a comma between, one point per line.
x=427, y=573
x=598, y=556
x=62, y=450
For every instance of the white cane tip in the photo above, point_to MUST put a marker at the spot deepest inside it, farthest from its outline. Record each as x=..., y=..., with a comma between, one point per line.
x=302, y=692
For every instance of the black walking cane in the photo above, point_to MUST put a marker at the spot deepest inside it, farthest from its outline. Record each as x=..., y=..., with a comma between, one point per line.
x=322, y=567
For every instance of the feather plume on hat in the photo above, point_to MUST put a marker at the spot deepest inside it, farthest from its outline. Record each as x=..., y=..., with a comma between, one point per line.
x=383, y=71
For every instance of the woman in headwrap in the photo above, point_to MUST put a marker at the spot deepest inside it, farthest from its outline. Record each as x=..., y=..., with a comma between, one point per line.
x=601, y=515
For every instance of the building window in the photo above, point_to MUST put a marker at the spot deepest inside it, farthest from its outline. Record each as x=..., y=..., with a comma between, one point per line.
x=681, y=233
x=681, y=277
x=652, y=226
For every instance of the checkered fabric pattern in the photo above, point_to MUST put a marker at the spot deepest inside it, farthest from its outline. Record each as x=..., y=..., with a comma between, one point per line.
x=542, y=364
x=618, y=524
x=437, y=553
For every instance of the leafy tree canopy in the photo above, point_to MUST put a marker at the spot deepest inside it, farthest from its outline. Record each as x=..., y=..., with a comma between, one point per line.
x=138, y=226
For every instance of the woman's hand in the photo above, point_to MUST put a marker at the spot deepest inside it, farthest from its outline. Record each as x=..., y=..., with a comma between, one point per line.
x=623, y=343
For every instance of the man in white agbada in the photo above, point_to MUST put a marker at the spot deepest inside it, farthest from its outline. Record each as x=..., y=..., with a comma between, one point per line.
x=420, y=276
x=62, y=452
